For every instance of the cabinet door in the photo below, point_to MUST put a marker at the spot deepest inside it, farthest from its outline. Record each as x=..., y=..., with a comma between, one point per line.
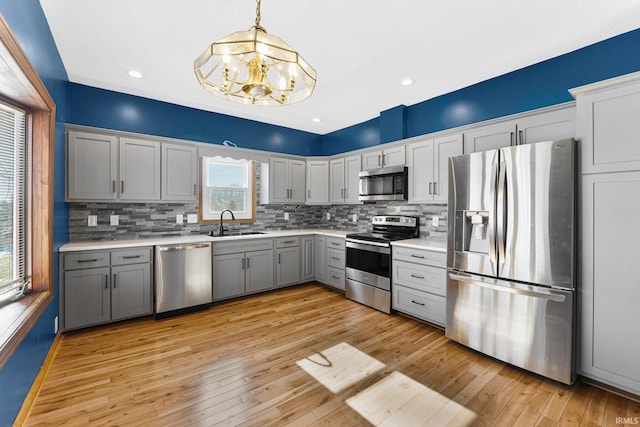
x=444, y=148
x=259, y=271
x=352, y=179
x=307, y=244
x=87, y=297
x=287, y=266
x=297, y=183
x=228, y=276
x=139, y=169
x=372, y=160
x=130, y=291
x=278, y=180
x=394, y=156
x=92, y=166
x=336, y=178
x=609, y=292
x=319, y=259
x=420, y=160
x=549, y=126
x=490, y=137
x=179, y=171
x=317, y=182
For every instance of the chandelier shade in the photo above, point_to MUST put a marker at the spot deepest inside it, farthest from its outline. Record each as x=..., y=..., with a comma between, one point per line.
x=255, y=68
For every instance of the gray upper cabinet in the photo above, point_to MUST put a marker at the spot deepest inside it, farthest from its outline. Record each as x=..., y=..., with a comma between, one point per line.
x=92, y=166
x=287, y=180
x=139, y=169
x=179, y=172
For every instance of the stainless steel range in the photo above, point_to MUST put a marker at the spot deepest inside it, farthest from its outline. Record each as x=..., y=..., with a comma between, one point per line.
x=368, y=266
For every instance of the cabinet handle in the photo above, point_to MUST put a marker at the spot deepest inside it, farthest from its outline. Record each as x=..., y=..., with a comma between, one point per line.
x=106, y=281
x=242, y=264
x=279, y=258
x=379, y=161
x=417, y=256
x=431, y=188
x=87, y=260
x=114, y=280
x=520, y=137
x=335, y=258
x=335, y=244
x=418, y=303
x=308, y=194
x=194, y=189
x=435, y=188
x=335, y=277
x=417, y=276
x=113, y=186
x=131, y=256
x=288, y=241
x=122, y=187
x=248, y=262
x=384, y=159
x=511, y=141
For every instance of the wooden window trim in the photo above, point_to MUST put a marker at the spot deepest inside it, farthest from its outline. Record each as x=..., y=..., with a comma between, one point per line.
x=22, y=85
x=229, y=220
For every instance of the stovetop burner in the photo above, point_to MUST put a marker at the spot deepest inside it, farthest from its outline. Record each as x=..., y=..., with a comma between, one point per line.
x=389, y=228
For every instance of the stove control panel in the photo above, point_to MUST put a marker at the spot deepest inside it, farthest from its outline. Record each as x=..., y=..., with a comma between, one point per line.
x=404, y=221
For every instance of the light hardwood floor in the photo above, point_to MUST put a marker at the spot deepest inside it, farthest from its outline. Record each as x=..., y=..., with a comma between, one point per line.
x=299, y=356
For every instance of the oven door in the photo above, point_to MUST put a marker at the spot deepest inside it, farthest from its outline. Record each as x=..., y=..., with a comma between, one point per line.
x=369, y=262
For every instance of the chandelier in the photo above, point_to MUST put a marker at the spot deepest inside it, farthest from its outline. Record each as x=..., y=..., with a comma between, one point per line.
x=255, y=68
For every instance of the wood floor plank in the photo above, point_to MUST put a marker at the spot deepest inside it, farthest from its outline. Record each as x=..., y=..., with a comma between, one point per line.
x=241, y=363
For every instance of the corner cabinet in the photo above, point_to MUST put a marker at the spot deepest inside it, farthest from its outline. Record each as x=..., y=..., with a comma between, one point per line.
x=428, y=168
x=535, y=127
x=344, y=177
x=317, y=182
x=104, y=286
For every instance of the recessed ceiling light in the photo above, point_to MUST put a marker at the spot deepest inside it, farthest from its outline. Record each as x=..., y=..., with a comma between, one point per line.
x=135, y=74
x=406, y=82
x=315, y=120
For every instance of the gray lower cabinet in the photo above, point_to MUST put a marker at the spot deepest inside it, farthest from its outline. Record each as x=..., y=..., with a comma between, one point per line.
x=419, y=283
x=241, y=267
x=287, y=261
x=319, y=258
x=104, y=286
x=335, y=259
x=307, y=258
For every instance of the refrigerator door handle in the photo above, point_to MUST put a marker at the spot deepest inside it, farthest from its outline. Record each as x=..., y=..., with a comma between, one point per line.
x=486, y=283
x=501, y=211
x=493, y=218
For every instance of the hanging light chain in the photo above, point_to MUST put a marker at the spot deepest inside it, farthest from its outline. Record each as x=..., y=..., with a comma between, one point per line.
x=258, y=16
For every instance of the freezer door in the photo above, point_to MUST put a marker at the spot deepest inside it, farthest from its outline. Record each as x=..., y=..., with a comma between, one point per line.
x=472, y=213
x=536, y=200
x=525, y=325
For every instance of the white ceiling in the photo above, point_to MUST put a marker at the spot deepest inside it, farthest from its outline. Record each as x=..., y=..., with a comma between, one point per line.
x=361, y=49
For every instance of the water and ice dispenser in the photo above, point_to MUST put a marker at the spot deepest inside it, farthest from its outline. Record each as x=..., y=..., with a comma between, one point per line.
x=471, y=231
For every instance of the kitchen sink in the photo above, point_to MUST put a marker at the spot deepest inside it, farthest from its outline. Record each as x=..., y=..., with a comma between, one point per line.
x=236, y=233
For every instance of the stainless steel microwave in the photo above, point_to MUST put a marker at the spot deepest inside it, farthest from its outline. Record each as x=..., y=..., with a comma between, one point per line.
x=384, y=184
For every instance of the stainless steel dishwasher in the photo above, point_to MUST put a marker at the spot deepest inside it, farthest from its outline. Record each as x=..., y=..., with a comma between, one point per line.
x=183, y=278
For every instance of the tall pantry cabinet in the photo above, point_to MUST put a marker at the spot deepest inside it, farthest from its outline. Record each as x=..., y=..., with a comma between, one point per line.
x=609, y=292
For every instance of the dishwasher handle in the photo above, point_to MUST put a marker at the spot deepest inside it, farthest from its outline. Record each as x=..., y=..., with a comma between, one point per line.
x=182, y=247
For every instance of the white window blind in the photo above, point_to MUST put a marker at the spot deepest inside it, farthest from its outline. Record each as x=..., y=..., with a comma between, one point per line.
x=13, y=203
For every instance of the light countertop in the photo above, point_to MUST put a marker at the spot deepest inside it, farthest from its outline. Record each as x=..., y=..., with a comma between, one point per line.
x=196, y=238
x=424, y=244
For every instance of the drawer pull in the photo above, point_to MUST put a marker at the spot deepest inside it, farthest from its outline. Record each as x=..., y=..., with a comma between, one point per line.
x=336, y=244
x=418, y=303
x=335, y=258
x=288, y=241
x=131, y=256
x=417, y=256
x=417, y=276
x=88, y=260
x=335, y=277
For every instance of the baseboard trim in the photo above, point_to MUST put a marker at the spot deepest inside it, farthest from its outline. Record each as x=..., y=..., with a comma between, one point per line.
x=23, y=415
x=611, y=389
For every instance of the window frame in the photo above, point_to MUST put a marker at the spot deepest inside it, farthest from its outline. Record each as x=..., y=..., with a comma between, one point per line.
x=23, y=87
x=251, y=186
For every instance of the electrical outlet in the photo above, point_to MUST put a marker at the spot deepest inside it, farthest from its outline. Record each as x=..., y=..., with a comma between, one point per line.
x=114, y=220
x=435, y=221
x=328, y=215
x=354, y=217
x=55, y=325
x=286, y=216
x=192, y=218
x=92, y=220
x=179, y=219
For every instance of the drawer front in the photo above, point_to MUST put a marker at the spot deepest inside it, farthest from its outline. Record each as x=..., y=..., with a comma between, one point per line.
x=286, y=242
x=335, y=258
x=130, y=256
x=335, y=243
x=436, y=259
x=420, y=277
x=419, y=304
x=77, y=260
x=335, y=278
x=242, y=245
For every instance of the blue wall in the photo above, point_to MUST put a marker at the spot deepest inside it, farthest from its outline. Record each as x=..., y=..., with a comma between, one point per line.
x=540, y=85
x=114, y=110
x=27, y=21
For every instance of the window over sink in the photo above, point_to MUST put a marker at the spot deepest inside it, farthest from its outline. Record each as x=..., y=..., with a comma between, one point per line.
x=227, y=184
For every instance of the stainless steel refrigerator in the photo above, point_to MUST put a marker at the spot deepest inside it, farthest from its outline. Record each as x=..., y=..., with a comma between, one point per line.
x=511, y=255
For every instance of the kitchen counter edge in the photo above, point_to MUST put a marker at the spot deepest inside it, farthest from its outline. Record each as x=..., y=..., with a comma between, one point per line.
x=424, y=244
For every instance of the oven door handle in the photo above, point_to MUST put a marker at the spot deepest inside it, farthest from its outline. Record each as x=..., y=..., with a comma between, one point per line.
x=368, y=246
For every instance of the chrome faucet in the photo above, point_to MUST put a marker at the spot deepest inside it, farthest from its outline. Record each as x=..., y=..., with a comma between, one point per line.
x=222, y=213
